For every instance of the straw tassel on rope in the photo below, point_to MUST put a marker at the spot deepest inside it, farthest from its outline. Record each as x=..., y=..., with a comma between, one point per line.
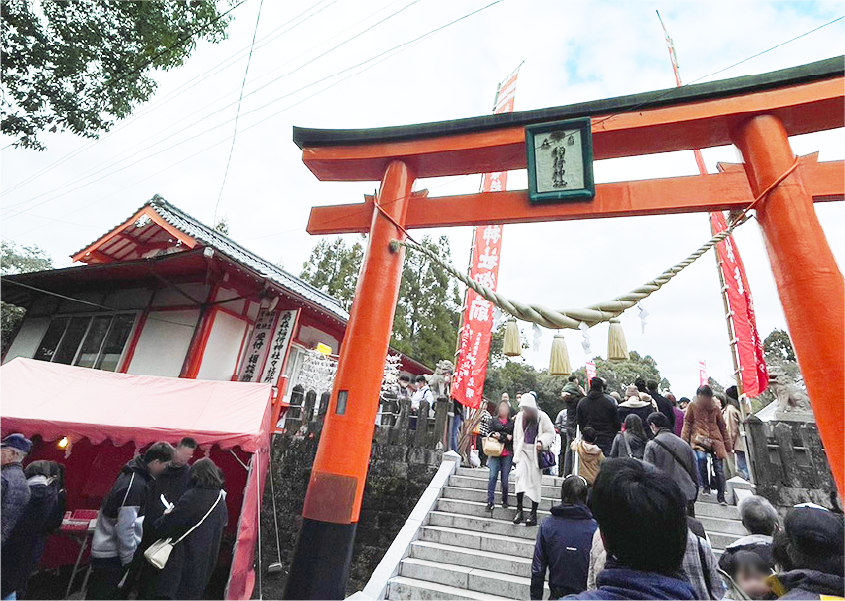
x=617, y=346
x=559, y=363
x=512, y=346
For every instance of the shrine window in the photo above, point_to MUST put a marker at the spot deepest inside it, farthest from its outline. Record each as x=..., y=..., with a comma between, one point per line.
x=97, y=341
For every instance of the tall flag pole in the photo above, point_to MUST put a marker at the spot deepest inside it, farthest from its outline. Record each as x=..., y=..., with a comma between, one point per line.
x=752, y=377
x=477, y=318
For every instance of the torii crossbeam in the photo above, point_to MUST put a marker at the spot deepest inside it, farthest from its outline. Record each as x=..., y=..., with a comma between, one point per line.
x=756, y=113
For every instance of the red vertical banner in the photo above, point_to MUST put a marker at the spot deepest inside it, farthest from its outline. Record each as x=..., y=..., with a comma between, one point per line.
x=477, y=328
x=749, y=345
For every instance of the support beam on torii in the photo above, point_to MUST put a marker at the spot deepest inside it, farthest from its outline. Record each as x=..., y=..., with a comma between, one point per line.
x=757, y=113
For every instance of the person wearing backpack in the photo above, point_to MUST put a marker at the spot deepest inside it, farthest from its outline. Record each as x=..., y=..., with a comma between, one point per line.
x=674, y=457
x=195, y=525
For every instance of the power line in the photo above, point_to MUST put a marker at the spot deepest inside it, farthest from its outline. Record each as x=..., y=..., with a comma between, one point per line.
x=201, y=119
x=401, y=47
x=156, y=104
x=237, y=115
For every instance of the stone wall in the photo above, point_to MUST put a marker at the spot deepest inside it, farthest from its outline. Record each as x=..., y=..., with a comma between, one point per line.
x=399, y=473
x=790, y=464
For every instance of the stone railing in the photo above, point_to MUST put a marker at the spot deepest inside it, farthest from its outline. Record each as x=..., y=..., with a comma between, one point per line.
x=395, y=422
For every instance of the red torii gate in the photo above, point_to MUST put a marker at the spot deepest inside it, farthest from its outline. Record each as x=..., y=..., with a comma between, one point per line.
x=756, y=113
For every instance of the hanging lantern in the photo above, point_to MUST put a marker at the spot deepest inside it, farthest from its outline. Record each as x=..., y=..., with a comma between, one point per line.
x=559, y=363
x=617, y=348
x=512, y=346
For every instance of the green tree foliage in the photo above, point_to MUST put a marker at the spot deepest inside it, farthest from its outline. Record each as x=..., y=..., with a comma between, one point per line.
x=333, y=267
x=516, y=376
x=18, y=260
x=777, y=347
x=80, y=65
x=620, y=374
x=427, y=315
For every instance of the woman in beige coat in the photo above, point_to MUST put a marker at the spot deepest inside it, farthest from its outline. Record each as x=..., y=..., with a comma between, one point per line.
x=533, y=432
x=705, y=431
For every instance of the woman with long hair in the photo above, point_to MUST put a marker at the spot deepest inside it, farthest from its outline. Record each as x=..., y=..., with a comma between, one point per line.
x=533, y=433
x=500, y=428
x=203, y=508
x=630, y=442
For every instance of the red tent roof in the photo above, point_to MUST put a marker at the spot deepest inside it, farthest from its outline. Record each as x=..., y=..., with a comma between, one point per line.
x=55, y=400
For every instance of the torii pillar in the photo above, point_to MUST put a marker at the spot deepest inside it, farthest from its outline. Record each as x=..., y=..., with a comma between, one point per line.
x=809, y=282
x=757, y=113
x=323, y=554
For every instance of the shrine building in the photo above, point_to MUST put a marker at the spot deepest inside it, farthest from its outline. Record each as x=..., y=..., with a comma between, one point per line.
x=163, y=294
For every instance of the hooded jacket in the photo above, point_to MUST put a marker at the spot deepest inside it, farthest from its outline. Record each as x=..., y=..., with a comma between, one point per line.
x=15, y=496
x=598, y=410
x=680, y=466
x=590, y=457
x=761, y=544
x=807, y=584
x=704, y=418
x=22, y=550
x=120, y=523
x=619, y=582
x=563, y=546
x=638, y=407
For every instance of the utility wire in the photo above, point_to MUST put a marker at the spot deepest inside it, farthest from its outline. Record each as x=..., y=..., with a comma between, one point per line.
x=157, y=104
x=237, y=115
x=275, y=100
x=201, y=119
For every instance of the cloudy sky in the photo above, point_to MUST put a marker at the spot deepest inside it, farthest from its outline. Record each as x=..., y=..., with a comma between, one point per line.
x=177, y=145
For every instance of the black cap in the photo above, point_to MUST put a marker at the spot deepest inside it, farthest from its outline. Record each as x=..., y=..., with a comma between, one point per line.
x=815, y=530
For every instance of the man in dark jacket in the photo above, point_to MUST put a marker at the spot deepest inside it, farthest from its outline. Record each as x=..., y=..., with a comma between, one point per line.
x=171, y=484
x=43, y=514
x=663, y=404
x=672, y=456
x=120, y=523
x=760, y=518
x=598, y=410
x=812, y=544
x=15, y=491
x=642, y=520
x=563, y=543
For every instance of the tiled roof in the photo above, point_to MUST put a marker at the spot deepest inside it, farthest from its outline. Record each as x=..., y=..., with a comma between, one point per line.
x=206, y=235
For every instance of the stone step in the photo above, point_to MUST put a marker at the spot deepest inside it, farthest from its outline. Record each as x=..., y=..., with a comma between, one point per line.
x=486, y=525
x=482, y=472
x=714, y=510
x=720, y=540
x=479, y=509
x=495, y=543
x=400, y=587
x=473, y=579
x=472, y=558
x=480, y=496
x=552, y=492
x=725, y=526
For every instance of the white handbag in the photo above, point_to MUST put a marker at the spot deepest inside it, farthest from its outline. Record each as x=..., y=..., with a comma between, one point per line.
x=158, y=553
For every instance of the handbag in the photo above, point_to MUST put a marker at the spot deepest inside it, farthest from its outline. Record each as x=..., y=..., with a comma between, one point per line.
x=492, y=447
x=705, y=442
x=158, y=553
x=546, y=459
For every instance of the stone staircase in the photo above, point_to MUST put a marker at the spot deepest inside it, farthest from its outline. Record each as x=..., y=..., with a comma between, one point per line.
x=465, y=551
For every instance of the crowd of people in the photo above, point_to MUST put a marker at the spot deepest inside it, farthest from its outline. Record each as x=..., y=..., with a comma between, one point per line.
x=633, y=470
x=158, y=496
